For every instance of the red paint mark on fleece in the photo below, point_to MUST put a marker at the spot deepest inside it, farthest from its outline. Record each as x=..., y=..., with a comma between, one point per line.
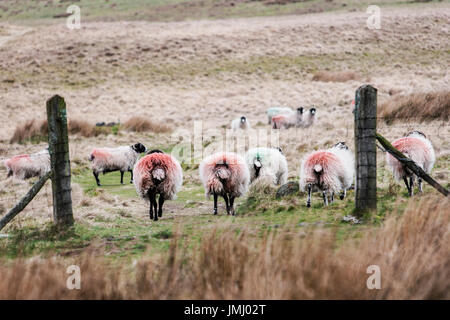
x=100, y=154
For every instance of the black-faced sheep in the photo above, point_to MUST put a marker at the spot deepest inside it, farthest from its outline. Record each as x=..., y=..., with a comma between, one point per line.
x=241, y=123
x=115, y=159
x=157, y=173
x=224, y=174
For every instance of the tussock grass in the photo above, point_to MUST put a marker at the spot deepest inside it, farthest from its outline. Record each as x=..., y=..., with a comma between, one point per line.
x=36, y=131
x=423, y=106
x=140, y=124
x=411, y=251
x=336, y=76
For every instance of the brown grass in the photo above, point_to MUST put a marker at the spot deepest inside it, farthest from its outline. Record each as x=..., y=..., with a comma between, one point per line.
x=34, y=130
x=140, y=124
x=422, y=106
x=335, y=76
x=412, y=252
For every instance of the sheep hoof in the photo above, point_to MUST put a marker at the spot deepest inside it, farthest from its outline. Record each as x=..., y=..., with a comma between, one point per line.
x=99, y=185
x=308, y=205
x=341, y=197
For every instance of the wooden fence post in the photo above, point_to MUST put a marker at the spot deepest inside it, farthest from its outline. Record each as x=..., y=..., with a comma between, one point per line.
x=58, y=143
x=365, y=148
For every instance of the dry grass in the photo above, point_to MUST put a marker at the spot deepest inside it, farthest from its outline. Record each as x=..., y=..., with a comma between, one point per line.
x=336, y=76
x=35, y=131
x=140, y=124
x=30, y=130
x=411, y=251
x=423, y=106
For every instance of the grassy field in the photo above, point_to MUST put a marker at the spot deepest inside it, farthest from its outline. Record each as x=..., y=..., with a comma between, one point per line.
x=180, y=63
x=173, y=10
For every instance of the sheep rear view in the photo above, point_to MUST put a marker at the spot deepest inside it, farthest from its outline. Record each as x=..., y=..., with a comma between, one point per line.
x=274, y=111
x=331, y=171
x=224, y=174
x=418, y=148
x=157, y=174
x=121, y=159
x=267, y=163
x=288, y=120
x=26, y=166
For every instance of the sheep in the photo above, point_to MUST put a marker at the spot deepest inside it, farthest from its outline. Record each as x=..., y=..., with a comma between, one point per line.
x=115, y=159
x=271, y=112
x=308, y=118
x=269, y=163
x=418, y=148
x=329, y=170
x=157, y=173
x=28, y=165
x=285, y=121
x=224, y=174
x=240, y=123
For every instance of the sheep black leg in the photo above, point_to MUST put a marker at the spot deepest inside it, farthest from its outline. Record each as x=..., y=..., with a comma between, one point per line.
x=131, y=179
x=225, y=197
x=325, y=198
x=332, y=197
x=161, y=202
x=308, y=201
x=232, y=205
x=405, y=179
x=97, y=180
x=411, y=185
x=151, y=207
x=419, y=181
x=343, y=194
x=215, y=203
x=121, y=177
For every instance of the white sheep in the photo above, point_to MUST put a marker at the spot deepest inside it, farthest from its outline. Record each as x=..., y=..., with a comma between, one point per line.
x=288, y=120
x=274, y=111
x=115, y=159
x=331, y=170
x=267, y=163
x=157, y=173
x=309, y=118
x=28, y=165
x=224, y=174
x=418, y=148
x=241, y=123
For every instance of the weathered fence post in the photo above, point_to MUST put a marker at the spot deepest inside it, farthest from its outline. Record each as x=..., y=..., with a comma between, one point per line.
x=365, y=148
x=58, y=143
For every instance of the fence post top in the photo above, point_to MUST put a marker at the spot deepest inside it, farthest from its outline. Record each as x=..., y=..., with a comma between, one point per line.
x=56, y=98
x=367, y=87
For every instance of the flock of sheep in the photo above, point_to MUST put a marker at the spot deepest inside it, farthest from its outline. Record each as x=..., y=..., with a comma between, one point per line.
x=228, y=175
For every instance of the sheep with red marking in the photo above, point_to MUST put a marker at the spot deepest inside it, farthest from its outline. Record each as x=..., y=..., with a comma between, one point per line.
x=418, y=148
x=115, y=159
x=155, y=174
x=288, y=120
x=274, y=111
x=331, y=171
x=28, y=165
x=225, y=174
